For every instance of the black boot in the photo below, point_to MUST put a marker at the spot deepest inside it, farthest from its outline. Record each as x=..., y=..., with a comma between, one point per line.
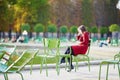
x=70, y=63
x=70, y=69
x=62, y=60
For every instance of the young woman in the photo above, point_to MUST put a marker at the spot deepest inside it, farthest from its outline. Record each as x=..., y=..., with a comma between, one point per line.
x=81, y=48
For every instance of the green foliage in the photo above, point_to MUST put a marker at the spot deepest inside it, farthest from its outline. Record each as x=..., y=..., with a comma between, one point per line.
x=43, y=12
x=52, y=28
x=94, y=29
x=104, y=30
x=34, y=11
x=89, y=29
x=114, y=27
x=63, y=29
x=3, y=13
x=12, y=2
x=25, y=27
x=86, y=12
x=73, y=29
x=39, y=28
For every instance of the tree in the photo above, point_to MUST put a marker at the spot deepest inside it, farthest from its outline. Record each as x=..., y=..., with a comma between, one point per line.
x=103, y=30
x=63, y=30
x=87, y=12
x=3, y=18
x=7, y=16
x=114, y=28
x=111, y=12
x=52, y=28
x=12, y=2
x=38, y=28
x=73, y=30
x=43, y=11
x=32, y=12
x=94, y=30
x=25, y=27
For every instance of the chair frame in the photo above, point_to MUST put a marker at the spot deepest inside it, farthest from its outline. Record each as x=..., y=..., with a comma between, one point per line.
x=84, y=55
x=66, y=58
x=48, y=49
x=19, y=64
x=6, y=50
x=108, y=62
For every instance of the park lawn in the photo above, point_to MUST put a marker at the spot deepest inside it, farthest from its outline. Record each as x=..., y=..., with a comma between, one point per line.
x=38, y=60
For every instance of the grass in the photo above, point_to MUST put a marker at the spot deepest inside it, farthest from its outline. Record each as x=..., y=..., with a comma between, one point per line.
x=38, y=60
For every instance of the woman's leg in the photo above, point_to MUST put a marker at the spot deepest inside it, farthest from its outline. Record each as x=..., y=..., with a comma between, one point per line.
x=70, y=62
x=67, y=52
x=69, y=58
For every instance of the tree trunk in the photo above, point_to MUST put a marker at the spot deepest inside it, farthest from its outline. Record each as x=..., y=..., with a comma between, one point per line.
x=9, y=33
x=0, y=35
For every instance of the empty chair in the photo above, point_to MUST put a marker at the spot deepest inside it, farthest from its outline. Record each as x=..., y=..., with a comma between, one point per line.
x=51, y=50
x=18, y=64
x=116, y=61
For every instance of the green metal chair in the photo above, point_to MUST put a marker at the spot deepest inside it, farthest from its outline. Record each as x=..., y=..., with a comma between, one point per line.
x=51, y=50
x=108, y=62
x=8, y=48
x=19, y=64
x=86, y=56
x=38, y=39
x=118, y=41
x=6, y=51
x=67, y=65
x=64, y=39
x=114, y=42
x=93, y=40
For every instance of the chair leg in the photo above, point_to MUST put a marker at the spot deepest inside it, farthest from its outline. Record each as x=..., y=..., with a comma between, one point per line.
x=76, y=66
x=57, y=65
x=107, y=71
x=31, y=69
x=21, y=75
x=43, y=60
x=100, y=71
x=31, y=66
x=70, y=61
x=46, y=67
x=5, y=76
x=66, y=64
x=118, y=70
x=88, y=63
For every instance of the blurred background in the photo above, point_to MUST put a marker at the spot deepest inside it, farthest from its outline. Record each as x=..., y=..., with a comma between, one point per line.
x=31, y=20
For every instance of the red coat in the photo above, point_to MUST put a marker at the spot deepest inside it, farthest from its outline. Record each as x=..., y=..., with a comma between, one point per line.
x=83, y=46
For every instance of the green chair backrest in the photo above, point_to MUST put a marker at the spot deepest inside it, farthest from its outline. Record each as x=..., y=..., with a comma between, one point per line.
x=88, y=47
x=117, y=56
x=1, y=55
x=8, y=48
x=51, y=46
x=45, y=41
x=5, y=52
x=53, y=43
x=24, y=59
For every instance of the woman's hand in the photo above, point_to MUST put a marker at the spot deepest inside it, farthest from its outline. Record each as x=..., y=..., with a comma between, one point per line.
x=79, y=34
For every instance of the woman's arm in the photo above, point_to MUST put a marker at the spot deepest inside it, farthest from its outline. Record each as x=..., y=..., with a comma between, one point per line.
x=78, y=36
x=85, y=38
